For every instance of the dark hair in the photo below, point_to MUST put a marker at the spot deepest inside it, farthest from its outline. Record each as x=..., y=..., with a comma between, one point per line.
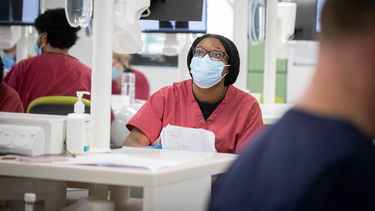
x=230, y=48
x=342, y=18
x=59, y=33
x=1, y=70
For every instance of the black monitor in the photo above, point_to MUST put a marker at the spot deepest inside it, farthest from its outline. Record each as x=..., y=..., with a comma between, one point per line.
x=18, y=12
x=176, y=26
x=306, y=17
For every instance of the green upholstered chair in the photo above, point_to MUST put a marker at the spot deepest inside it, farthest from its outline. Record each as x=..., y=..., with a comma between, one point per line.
x=60, y=105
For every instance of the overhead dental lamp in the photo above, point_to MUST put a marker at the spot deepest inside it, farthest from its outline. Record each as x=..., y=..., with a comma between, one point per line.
x=126, y=37
x=78, y=12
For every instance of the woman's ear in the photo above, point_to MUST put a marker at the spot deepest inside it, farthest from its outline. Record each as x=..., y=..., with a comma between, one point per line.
x=225, y=70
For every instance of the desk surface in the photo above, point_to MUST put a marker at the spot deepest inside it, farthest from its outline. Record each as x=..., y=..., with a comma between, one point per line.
x=193, y=165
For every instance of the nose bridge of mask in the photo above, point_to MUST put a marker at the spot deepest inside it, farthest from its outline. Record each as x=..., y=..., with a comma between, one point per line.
x=209, y=61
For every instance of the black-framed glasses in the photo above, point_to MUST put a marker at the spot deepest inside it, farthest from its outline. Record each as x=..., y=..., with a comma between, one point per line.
x=215, y=55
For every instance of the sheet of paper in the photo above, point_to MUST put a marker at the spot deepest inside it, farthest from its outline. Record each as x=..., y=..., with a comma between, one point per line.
x=189, y=139
x=120, y=160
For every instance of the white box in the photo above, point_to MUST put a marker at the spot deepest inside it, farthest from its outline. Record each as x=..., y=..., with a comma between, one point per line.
x=54, y=126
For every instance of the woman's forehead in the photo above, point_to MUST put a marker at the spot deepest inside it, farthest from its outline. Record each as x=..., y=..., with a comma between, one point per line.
x=211, y=43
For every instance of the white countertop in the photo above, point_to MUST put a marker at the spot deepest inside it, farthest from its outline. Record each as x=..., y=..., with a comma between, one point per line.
x=191, y=165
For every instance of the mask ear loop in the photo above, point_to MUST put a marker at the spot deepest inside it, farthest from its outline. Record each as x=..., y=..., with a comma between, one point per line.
x=43, y=44
x=226, y=65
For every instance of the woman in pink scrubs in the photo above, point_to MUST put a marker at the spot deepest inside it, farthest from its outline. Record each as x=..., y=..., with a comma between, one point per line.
x=209, y=101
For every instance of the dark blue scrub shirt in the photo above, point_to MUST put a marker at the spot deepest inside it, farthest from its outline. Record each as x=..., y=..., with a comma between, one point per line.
x=304, y=162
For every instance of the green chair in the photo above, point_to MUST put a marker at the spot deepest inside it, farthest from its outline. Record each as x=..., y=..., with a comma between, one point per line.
x=60, y=105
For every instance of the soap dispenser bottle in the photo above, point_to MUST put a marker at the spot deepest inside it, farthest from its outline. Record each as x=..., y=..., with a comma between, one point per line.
x=78, y=128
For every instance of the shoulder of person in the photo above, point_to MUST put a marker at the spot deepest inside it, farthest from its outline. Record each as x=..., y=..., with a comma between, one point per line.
x=139, y=74
x=27, y=61
x=175, y=89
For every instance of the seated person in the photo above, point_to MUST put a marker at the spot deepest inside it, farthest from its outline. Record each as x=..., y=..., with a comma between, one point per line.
x=53, y=71
x=9, y=58
x=120, y=64
x=9, y=99
x=209, y=101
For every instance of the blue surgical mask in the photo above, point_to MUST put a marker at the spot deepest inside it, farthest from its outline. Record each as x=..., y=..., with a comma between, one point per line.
x=115, y=73
x=37, y=49
x=8, y=60
x=206, y=72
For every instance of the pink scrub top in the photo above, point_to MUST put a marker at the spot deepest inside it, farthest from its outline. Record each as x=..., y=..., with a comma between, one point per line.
x=48, y=74
x=9, y=99
x=234, y=121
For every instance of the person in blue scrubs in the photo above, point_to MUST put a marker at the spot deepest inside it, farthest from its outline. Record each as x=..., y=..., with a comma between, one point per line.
x=321, y=154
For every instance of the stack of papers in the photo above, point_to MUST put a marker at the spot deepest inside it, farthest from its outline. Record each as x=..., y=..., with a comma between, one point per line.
x=120, y=160
x=189, y=139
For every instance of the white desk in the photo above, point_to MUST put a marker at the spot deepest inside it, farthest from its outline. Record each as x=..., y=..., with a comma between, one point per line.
x=183, y=187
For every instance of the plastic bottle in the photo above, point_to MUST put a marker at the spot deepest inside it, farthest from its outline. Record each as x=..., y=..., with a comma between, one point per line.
x=78, y=128
x=128, y=87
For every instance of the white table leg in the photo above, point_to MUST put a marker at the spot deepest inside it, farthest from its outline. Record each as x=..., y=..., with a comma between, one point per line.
x=120, y=196
x=186, y=195
x=98, y=191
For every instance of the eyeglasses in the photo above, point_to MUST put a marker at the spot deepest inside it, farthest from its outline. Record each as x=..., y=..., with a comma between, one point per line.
x=215, y=55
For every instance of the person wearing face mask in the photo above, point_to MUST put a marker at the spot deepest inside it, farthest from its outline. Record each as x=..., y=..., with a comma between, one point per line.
x=120, y=65
x=9, y=58
x=53, y=72
x=9, y=99
x=208, y=101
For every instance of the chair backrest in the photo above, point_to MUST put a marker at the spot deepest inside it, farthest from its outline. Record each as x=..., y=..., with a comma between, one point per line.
x=60, y=105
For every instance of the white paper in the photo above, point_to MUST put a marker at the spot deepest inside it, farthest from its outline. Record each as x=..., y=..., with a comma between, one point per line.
x=189, y=139
x=121, y=161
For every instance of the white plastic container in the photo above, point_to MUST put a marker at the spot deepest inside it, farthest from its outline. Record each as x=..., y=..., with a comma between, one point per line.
x=54, y=126
x=78, y=128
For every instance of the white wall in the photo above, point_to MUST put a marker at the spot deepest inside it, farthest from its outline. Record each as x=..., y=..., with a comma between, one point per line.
x=159, y=77
x=301, y=68
x=220, y=18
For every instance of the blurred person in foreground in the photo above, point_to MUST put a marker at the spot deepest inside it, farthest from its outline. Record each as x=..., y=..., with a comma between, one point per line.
x=320, y=155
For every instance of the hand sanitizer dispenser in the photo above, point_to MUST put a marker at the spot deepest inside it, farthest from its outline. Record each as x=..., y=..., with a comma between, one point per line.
x=78, y=128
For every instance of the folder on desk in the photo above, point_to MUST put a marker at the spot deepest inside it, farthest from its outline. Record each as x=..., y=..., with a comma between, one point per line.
x=121, y=161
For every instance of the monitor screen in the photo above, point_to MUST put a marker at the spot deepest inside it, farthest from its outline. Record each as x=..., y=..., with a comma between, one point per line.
x=319, y=6
x=176, y=26
x=18, y=12
x=305, y=20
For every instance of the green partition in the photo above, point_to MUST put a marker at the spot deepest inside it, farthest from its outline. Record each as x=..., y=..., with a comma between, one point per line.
x=256, y=70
